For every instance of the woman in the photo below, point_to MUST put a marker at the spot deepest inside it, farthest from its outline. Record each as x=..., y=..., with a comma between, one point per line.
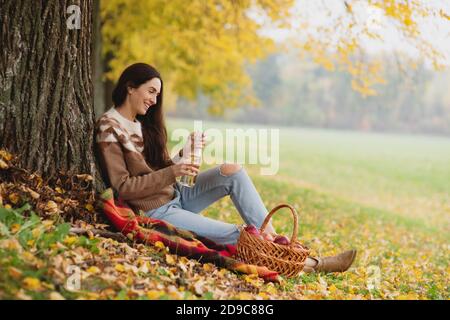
x=133, y=156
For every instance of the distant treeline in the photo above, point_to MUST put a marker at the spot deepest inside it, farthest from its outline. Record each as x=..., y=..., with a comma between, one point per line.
x=300, y=93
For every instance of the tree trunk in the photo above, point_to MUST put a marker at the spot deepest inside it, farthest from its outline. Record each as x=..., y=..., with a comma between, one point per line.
x=108, y=85
x=99, y=102
x=46, y=85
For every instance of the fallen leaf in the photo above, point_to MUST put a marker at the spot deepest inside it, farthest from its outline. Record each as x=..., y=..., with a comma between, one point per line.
x=93, y=270
x=160, y=245
x=155, y=294
x=14, y=198
x=33, y=284
x=51, y=207
x=15, y=273
x=56, y=296
x=170, y=259
x=119, y=267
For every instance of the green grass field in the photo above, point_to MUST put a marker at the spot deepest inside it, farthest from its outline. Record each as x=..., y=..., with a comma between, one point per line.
x=387, y=195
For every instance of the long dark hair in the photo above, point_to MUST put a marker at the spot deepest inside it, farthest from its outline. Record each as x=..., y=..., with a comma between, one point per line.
x=153, y=126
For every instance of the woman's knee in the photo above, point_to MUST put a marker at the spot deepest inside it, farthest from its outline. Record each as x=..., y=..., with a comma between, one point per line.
x=228, y=169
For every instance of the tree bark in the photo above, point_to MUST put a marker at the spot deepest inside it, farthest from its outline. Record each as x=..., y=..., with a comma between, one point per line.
x=99, y=102
x=108, y=85
x=46, y=86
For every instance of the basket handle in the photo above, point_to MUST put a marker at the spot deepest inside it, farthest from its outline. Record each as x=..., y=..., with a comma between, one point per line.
x=294, y=214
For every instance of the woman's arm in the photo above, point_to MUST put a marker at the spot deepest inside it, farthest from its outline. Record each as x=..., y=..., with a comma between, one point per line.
x=127, y=186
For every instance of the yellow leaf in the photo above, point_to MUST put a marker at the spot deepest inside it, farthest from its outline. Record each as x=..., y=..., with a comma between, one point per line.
x=85, y=177
x=208, y=267
x=170, y=260
x=93, y=270
x=33, y=193
x=30, y=283
x=56, y=296
x=15, y=227
x=175, y=295
x=263, y=295
x=245, y=296
x=444, y=15
x=48, y=224
x=36, y=232
x=3, y=164
x=89, y=207
x=183, y=260
x=11, y=244
x=155, y=294
x=5, y=155
x=253, y=279
x=349, y=7
x=59, y=199
x=409, y=296
x=159, y=244
x=69, y=240
x=332, y=288
x=28, y=257
x=14, y=198
x=51, y=207
x=222, y=272
x=92, y=295
x=119, y=267
x=271, y=289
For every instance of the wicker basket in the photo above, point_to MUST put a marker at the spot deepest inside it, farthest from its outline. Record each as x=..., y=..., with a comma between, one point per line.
x=287, y=260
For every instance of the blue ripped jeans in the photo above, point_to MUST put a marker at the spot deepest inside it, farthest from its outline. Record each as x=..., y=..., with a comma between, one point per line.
x=184, y=210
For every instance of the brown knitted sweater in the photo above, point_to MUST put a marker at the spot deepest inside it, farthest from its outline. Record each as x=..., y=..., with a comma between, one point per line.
x=119, y=148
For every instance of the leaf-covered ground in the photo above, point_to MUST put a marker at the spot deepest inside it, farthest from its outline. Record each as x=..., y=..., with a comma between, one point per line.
x=374, y=202
x=43, y=255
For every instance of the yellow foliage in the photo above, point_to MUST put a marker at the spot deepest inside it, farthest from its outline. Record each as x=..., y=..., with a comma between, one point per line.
x=337, y=44
x=196, y=45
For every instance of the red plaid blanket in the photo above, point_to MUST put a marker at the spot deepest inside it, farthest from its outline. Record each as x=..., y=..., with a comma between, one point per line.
x=180, y=242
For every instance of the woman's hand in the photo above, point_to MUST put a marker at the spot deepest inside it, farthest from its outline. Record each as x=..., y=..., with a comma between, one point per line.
x=183, y=169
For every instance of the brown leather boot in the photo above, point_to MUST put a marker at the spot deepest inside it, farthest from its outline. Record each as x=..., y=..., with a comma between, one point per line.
x=339, y=263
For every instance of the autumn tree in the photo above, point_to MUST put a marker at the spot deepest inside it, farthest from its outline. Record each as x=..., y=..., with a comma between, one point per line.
x=204, y=46
x=199, y=46
x=46, y=84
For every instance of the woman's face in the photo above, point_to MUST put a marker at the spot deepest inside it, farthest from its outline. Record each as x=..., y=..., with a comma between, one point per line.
x=145, y=96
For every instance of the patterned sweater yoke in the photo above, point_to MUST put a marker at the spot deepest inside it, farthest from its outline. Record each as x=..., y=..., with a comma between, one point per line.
x=120, y=144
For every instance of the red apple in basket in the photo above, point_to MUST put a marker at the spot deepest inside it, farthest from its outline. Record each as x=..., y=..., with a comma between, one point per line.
x=268, y=237
x=283, y=240
x=253, y=231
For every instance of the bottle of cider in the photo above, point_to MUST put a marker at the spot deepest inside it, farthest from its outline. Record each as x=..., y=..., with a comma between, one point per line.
x=195, y=157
